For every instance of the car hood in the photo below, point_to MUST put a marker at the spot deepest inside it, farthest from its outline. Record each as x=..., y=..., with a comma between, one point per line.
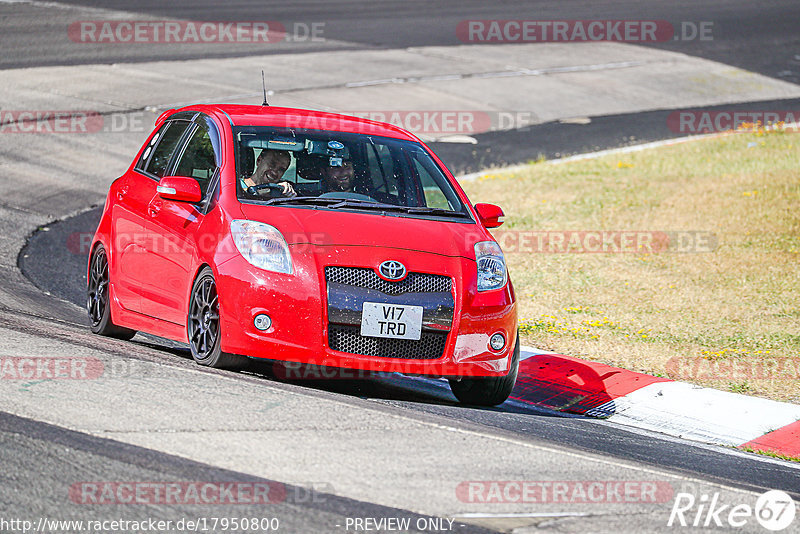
x=342, y=227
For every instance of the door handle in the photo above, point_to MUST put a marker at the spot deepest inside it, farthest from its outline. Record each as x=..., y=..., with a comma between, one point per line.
x=121, y=192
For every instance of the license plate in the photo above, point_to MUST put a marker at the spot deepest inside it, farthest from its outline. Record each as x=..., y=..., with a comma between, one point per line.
x=397, y=321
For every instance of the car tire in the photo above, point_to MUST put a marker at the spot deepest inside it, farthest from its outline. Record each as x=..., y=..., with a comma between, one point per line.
x=203, y=326
x=97, y=298
x=490, y=391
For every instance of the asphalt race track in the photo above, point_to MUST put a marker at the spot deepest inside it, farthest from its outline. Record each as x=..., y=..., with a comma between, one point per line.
x=333, y=450
x=758, y=37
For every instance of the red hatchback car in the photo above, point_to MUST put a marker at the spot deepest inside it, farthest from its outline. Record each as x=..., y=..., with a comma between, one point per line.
x=300, y=236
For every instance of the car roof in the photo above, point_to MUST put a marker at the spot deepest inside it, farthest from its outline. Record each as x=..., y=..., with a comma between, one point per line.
x=249, y=115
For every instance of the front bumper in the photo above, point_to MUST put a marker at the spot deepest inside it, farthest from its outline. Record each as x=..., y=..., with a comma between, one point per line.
x=300, y=310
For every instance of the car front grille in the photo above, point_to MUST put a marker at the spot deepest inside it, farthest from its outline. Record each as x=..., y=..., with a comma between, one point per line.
x=346, y=338
x=350, y=287
x=368, y=278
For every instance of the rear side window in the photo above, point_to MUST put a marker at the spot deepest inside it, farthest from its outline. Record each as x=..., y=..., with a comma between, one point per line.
x=162, y=154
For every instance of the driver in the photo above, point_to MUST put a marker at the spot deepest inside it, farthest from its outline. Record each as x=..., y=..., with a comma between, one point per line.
x=270, y=166
x=339, y=179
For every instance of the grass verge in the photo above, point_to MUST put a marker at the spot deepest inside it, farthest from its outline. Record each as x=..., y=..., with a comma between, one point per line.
x=771, y=454
x=725, y=316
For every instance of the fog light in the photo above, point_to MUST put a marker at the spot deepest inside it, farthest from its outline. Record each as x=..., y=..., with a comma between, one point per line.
x=262, y=321
x=497, y=341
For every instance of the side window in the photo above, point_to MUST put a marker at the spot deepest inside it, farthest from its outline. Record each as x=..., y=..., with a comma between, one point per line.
x=149, y=149
x=162, y=154
x=429, y=178
x=434, y=198
x=198, y=160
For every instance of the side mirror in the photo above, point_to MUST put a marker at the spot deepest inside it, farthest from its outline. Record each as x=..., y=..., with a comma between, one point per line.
x=491, y=216
x=179, y=188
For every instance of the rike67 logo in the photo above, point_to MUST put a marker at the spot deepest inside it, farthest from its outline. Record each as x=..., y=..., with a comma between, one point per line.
x=774, y=510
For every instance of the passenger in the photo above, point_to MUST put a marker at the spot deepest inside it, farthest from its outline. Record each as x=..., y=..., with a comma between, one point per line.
x=270, y=166
x=339, y=179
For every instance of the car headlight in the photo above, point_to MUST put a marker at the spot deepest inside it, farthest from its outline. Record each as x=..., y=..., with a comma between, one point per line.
x=262, y=245
x=492, y=273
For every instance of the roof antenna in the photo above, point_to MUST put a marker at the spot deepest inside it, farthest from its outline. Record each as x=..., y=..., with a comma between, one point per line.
x=264, y=85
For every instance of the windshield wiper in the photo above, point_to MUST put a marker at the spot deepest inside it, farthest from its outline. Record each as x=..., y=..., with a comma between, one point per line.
x=357, y=203
x=303, y=200
x=378, y=206
x=435, y=211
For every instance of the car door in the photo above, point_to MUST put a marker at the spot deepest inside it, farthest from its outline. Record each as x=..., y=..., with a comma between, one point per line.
x=174, y=225
x=131, y=237
x=127, y=204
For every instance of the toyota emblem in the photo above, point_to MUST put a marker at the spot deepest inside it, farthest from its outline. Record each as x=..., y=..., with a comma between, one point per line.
x=392, y=270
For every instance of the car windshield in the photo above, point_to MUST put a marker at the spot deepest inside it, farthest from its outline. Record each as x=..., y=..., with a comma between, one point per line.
x=337, y=170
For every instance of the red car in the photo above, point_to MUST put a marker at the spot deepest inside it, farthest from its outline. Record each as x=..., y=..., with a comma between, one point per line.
x=300, y=236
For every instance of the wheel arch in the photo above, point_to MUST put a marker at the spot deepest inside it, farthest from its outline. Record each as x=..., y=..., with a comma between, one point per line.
x=197, y=271
x=98, y=242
